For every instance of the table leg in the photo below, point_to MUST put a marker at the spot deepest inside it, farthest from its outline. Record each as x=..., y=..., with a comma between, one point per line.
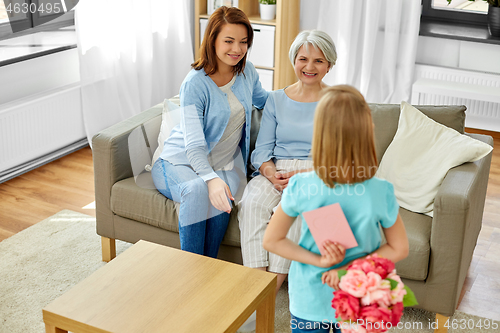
x=265, y=313
x=53, y=329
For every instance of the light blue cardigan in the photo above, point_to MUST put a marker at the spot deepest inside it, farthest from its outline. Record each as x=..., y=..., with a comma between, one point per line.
x=205, y=113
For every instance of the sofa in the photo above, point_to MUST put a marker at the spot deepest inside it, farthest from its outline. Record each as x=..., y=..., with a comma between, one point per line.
x=129, y=208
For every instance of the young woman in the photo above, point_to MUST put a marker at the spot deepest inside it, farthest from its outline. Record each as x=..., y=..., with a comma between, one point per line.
x=344, y=159
x=283, y=147
x=198, y=166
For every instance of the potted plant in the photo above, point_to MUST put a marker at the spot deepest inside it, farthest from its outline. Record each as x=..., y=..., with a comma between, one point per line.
x=493, y=16
x=267, y=9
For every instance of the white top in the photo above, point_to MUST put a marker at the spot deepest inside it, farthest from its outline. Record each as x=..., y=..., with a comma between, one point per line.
x=221, y=156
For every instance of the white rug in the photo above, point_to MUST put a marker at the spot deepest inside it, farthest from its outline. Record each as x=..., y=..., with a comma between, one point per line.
x=42, y=262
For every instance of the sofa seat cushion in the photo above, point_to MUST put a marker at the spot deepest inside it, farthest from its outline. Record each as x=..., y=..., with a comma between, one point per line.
x=141, y=202
x=418, y=229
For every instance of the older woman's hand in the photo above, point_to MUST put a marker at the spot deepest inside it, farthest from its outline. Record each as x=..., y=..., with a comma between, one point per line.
x=281, y=178
x=287, y=175
x=279, y=184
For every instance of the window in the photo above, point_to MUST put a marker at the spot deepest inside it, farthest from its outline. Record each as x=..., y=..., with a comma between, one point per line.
x=20, y=17
x=458, y=11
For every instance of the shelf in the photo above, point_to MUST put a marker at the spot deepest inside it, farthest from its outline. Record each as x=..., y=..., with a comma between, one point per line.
x=285, y=27
x=253, y=20
x=257, y=20
x=266, y=68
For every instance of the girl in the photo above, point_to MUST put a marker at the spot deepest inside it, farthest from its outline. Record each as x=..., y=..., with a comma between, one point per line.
x=345, y=163
x=197, y=167
x=283, y=147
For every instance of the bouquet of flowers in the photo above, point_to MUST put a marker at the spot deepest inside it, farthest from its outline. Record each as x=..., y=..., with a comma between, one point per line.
x=371, y=296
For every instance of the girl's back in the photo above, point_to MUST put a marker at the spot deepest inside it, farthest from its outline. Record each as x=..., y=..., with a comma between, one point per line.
x=344, y=159
x=365, y=205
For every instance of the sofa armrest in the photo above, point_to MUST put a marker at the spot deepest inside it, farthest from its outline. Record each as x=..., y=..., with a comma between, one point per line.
x=458, y=212
x=110, y=150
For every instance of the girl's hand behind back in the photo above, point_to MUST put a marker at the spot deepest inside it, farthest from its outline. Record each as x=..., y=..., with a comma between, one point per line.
x=331, y=278
x=335, y=253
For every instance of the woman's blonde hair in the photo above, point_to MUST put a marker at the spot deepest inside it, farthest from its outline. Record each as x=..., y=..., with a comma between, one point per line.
x=343, y=146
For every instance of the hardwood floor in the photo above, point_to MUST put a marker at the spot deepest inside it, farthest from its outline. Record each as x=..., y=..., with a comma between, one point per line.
x=481, y=292
x=68, y=183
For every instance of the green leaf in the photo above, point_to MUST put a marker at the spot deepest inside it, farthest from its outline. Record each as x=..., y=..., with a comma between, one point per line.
x=394, y=283
x=341, y=273
x=409, y=299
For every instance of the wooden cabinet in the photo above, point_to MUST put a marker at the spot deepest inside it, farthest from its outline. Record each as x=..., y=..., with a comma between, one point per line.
x=285, y=26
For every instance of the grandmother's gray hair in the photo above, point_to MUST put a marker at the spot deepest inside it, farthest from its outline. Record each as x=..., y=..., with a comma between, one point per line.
x=319, y=39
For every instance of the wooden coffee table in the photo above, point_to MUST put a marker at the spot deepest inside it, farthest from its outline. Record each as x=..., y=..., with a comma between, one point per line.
x=154, y=288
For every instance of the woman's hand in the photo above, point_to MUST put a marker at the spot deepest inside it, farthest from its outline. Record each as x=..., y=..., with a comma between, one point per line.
x=279, y=184
x=288, y=175
x=282, y=178
x=331, y=278
x=218, y=192
x=335, y=253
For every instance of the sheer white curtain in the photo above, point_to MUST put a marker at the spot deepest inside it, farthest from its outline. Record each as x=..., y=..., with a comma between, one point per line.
x=376, y=45
x=133, y=55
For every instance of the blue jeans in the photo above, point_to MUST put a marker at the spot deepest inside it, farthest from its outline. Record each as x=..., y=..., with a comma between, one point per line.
x=305, y=326
x=201, y=225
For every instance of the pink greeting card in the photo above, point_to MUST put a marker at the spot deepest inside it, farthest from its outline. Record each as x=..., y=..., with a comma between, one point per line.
x=329, y=223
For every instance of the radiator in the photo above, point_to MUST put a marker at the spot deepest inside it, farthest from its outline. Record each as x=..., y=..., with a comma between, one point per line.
x=479, y=92
x=40, y=128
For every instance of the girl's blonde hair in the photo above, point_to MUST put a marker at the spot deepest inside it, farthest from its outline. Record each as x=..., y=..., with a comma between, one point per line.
x=343, y=146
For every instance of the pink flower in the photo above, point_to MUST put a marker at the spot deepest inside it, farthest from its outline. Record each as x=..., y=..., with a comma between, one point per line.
x=375, y=318
x=354, y=283
x=374, y=263
x=397, y=312
x=398, y=293
x=382, y=297
x=383, y=265
x=365, y=298
x=378, y=291
x=346, y=306
x=361, y=265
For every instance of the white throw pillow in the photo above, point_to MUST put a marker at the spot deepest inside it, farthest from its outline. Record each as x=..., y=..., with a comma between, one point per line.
x=170, y=117
x=421, y=154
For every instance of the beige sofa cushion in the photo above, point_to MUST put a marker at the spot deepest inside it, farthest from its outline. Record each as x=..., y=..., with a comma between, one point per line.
x=418, y=230
x=386, y=118
x=141, y=203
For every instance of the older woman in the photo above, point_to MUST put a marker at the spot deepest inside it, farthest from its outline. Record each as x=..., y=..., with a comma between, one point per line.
x=283, y=147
